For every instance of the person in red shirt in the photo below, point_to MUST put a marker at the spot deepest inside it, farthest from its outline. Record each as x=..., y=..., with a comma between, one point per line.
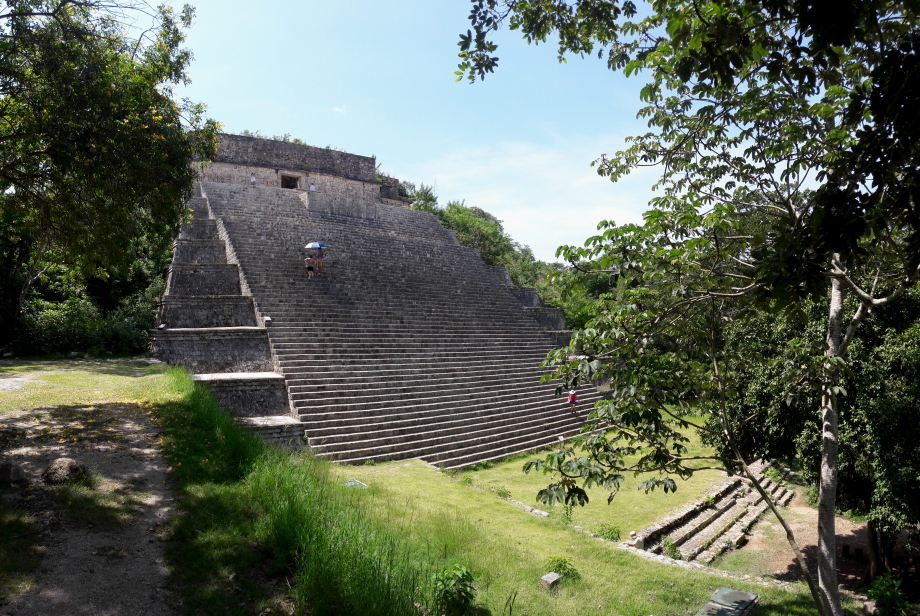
x=573, y=400
x=310, y=262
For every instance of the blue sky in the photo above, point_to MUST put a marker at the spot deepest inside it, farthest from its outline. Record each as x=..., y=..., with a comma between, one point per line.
x=376, y=78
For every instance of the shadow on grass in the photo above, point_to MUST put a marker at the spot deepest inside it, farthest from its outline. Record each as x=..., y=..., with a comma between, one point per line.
x=210, y=543
x=72, y=423
x=20, y=552
x=126, y=366
x=798, y=605
x=94, y=502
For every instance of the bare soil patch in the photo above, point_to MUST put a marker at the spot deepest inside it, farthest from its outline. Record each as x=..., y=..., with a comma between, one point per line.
x=14, y=382
x=768, y=553
x=90, y=549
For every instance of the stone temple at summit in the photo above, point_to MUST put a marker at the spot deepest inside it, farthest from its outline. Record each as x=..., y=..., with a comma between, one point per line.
x=406, y=346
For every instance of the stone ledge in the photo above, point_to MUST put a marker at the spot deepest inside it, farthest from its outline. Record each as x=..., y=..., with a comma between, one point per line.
x=272, y=421
x=238, y=376
x=279, y=430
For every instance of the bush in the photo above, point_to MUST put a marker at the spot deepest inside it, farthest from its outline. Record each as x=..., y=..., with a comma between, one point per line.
x=608, y=532
x=77, y=324
x=886, y=592
x=453, y=590
x=670, y=550
x=563, y=566
x=502, y=492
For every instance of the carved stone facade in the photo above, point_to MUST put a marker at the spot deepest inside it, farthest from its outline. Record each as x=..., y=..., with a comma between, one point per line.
x=278, y=164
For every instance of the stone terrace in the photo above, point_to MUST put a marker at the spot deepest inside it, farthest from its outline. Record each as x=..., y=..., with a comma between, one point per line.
x=408, y=345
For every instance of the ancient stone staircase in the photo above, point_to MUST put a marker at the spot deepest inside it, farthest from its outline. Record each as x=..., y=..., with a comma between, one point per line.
x=208, y=325
x=406, y=346
x=721, y=520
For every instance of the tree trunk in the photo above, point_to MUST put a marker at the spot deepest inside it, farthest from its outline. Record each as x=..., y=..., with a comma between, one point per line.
x=14, y=259
x=827, y=487
x=875, y=556
x=820, y=603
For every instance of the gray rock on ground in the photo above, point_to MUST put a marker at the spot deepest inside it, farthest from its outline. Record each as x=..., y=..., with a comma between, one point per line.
x=11, y=473
x=550, y=580
x=65, y=470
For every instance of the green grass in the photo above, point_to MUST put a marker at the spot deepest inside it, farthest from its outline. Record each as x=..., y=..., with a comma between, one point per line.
x=506, y=549
x=20, y=550
x=96, y=502
x=631, y=509
x=63, y=384
x=254, y=525
x=250, y=515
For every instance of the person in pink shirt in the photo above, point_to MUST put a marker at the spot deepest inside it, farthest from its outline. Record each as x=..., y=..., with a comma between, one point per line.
x=573, y=400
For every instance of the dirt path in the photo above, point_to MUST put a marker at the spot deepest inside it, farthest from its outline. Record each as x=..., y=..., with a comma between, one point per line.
x=101, y=549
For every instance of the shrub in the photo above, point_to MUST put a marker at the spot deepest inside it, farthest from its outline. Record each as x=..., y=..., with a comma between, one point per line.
x=453, y=590
x=567, y=511
x=709, y=501
x=608, y=532
x=886, y=592
x=670, y=550
x=773, y=475
x=502, y=492
x=467, y=479
x=563, y=566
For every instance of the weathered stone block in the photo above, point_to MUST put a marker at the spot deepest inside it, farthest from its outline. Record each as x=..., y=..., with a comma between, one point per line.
x=204, y=280
x=249, y=394
x=11, y=473
x=560, y=338
x=180, y=312
x=550, y=580
x=282, y=431
x=236, y=349
x=528, y=297
x=199, y=229
x=240, y=150
x=501, y=274
x=550, y=319
x=189, y=252
x=198, y=206
x=339, y=205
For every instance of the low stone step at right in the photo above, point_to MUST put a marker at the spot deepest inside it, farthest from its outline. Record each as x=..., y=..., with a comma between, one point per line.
x=735, y=533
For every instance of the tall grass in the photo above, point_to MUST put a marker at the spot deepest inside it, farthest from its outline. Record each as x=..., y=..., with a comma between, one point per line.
x=343, y=561
x=315, y=532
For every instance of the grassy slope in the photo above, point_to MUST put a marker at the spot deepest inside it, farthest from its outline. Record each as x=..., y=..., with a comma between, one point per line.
x=81, y=382
x=630, y=509
x=506, y=547
x=225, y=547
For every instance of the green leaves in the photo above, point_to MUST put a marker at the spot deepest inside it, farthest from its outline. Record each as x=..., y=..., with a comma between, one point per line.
x=94, y=151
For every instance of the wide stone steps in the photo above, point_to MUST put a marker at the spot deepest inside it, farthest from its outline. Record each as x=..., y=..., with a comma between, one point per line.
x=406, y=346
x=704, y=529
x=322, y=363
x=331, y=424
x=433, y=404
x=439, y=446
x=347, y=387
x=434, y=387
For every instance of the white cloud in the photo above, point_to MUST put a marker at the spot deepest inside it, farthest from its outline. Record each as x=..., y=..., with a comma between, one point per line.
x=338, y=109
x=546, y=196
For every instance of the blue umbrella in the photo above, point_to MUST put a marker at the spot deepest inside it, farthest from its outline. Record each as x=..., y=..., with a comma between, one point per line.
x=315, y=245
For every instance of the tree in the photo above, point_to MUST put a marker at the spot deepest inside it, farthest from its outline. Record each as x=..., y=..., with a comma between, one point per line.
x=94, y=151
x=771, y=416
x=747, y=103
